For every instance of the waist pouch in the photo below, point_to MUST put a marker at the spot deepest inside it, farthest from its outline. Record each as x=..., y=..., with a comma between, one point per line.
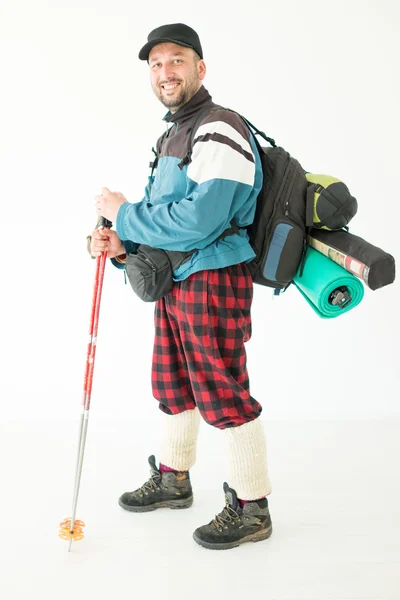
x=150, y=271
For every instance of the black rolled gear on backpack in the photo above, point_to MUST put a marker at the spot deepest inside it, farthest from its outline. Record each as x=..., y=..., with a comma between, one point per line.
x=375, y=267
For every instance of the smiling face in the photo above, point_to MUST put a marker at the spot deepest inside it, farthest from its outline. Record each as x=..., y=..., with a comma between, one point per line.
x=176, y=74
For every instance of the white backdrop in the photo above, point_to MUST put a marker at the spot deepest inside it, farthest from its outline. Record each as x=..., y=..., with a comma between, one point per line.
x=77, y=113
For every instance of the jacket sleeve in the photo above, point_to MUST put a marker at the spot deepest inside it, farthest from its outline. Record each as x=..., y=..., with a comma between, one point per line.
x=130, y=246
x=220, y=180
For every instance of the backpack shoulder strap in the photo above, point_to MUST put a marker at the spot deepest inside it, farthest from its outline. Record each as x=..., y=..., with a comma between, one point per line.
x=253, y=129
x=256, y=131
x=204, y=113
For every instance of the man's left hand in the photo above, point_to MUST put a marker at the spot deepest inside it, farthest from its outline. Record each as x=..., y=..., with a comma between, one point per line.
x=108, y=204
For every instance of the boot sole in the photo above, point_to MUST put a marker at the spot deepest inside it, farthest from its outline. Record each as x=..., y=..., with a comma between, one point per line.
x=173, y=504
x=254, y=537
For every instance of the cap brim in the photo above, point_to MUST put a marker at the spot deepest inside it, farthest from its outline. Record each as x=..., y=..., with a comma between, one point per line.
x=145, y=51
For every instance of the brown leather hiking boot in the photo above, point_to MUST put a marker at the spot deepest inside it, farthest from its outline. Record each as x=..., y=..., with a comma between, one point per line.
x=234, y=525
x=169, y=489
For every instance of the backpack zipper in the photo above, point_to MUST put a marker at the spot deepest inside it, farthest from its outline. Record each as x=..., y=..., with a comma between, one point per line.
x=272, y=217
x=286, y=203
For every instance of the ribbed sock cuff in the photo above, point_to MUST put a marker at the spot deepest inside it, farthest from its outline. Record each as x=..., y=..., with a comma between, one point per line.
x=178, y=448
x=247, y=456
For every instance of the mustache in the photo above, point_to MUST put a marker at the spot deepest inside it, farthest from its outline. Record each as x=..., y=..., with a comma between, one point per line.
x=170, y=81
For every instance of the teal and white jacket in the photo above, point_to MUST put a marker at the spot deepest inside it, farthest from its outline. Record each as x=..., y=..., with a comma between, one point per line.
x=188, y=209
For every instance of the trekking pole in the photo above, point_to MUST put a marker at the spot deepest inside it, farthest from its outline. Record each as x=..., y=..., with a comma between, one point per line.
x=70, y=528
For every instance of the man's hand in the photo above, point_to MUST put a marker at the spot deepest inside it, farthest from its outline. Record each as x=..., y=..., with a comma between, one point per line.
x=108, y=203
x=106, y=239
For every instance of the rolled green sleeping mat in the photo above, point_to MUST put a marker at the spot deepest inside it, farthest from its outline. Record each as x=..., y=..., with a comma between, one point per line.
x=373, y=265
x=329, y=289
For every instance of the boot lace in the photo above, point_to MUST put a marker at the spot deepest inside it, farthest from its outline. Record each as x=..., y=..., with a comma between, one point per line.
x=227, y=516
x=152, y=485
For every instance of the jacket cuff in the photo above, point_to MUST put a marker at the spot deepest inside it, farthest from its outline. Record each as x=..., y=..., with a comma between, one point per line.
x=119, y=223
x=130, y=247
x=117, y=264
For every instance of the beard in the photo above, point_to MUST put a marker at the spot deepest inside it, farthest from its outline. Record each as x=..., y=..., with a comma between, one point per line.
x=181, y=95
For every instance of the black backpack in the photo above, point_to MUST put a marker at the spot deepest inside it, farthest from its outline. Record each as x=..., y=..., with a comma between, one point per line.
x=288, y=206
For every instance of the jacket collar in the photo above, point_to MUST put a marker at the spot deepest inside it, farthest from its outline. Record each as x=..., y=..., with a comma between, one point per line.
x=197, y=102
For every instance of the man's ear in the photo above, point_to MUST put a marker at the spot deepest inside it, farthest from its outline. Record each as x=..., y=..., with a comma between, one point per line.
x=201, y=66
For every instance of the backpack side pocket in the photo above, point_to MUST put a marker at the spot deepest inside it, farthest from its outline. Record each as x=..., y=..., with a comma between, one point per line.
x=282, y=253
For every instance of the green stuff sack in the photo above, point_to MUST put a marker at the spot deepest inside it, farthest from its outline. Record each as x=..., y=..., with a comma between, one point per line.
x=329, y=289
x=333, y=205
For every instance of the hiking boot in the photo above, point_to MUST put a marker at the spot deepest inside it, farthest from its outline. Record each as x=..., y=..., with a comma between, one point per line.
x=169, y=489
x=235, y=525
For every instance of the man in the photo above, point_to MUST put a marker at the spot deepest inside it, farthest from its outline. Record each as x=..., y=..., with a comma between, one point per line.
x=199, y=361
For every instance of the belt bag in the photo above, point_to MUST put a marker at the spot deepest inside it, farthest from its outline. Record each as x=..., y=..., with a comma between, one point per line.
x=150, y=270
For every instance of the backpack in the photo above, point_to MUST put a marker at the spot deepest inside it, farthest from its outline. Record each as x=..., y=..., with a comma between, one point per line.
x=290, y=203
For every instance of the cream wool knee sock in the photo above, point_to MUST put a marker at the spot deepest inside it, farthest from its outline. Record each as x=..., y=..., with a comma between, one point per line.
x=247, y=460
x=178, y=447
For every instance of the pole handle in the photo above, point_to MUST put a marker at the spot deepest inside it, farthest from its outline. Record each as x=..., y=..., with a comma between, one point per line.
x=103, y=222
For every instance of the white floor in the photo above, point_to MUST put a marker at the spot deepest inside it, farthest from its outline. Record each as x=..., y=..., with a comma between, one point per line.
x=335, y=507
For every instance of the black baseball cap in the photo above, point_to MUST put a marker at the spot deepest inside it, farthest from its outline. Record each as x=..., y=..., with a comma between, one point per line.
x=177, y=33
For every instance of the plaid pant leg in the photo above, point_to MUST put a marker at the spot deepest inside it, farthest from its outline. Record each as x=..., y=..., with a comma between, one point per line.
x=213, y=314
x=170, y=380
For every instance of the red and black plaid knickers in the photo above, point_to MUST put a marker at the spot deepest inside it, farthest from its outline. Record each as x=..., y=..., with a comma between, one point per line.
x=199, y=357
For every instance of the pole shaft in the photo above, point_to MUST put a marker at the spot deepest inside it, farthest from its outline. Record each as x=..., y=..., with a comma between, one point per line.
x=94, y=327
x=79, y=470
x=88, y=378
